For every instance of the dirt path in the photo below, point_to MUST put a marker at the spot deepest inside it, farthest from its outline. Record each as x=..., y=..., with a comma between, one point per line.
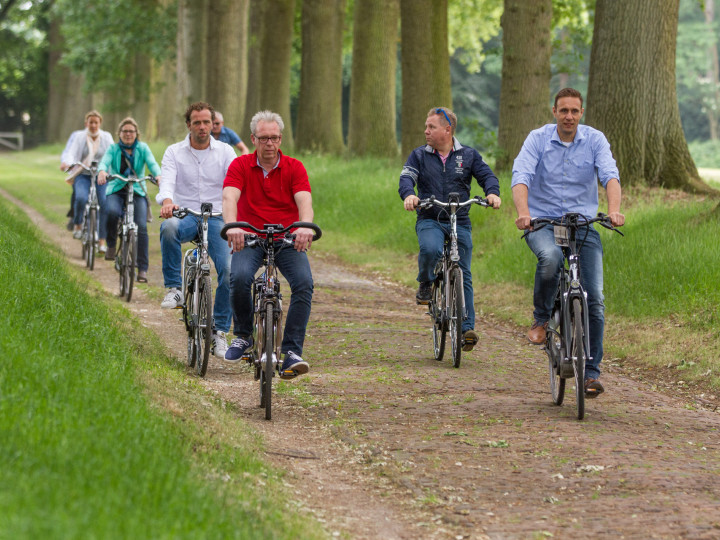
x=389, y=443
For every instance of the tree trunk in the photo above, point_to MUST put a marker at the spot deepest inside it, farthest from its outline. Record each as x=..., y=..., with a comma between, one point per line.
x=275, y=53
x=425, y=66
x=192, y=50
x=319, y=117
x=226, y=59
x=713, y=74
x=639, y=113
x=525, y=86
x=371, y=129
x=255, y=37
x=67, y=103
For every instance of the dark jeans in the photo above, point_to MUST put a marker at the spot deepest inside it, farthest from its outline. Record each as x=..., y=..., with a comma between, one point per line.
x=547, y=276
x=114, y=206
x=81, y=189
x=431, y=237
x=295, y=267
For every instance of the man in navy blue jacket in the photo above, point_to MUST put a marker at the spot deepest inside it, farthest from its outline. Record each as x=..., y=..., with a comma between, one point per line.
x=441, y=167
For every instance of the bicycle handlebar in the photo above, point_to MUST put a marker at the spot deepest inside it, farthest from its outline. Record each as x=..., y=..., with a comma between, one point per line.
x=571, y=220
x=131, y=179
x=432, y=201
x=271, y=231
x=82, y=165
x=183, y=211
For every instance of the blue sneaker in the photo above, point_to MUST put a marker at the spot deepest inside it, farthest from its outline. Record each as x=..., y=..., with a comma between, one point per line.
x=293, y=366
x=238, y=348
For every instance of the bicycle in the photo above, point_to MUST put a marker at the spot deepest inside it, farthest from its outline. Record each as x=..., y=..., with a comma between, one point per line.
x=567, y=342
x=90, y=225
x=197, y=305
x=447, y=303
x=267, y=301
x=126, y=258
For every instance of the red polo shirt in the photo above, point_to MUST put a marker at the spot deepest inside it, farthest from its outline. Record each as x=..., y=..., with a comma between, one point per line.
x=267, y=199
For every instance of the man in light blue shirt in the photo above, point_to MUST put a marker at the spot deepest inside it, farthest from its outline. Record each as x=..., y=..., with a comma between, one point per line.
x=556, y=172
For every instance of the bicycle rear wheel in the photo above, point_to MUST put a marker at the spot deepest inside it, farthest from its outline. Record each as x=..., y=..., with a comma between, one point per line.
x=456, y=315
x=552, y=348
x=91, y=233
x=203, y=328
x=130, y=263
x=266, y=376
x=578, y=355
x=437, y=304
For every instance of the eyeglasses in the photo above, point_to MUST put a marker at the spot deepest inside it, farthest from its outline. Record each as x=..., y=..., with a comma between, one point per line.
x=128, y=131
x=439, y=111
x=264, y=140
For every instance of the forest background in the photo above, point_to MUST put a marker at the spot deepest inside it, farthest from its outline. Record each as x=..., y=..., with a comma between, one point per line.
x=356, y=77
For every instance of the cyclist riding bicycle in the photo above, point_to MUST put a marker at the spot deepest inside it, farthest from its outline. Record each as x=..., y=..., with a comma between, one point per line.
x=556, y=172
x=193, y=171
x=441, y=167
x=128, y=158
x=268, y=187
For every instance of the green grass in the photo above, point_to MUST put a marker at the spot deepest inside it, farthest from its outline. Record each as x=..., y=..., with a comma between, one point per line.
x=103, y=436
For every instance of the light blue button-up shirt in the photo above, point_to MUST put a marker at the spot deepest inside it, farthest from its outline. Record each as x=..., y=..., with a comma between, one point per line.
x=560, y=178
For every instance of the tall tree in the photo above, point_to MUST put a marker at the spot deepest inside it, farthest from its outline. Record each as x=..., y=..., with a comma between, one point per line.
x=320, y=105
x=192, y=47
x=713, y=73
x=255, y=32
x=525, y=89
x=227, y=59
x=425, y=64
x=275, y=52
x=640, y=114
x=371, y=128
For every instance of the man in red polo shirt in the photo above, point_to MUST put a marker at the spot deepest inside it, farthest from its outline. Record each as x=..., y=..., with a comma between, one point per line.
x=269, y=187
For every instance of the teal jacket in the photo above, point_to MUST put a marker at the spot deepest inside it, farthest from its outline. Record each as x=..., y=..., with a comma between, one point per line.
x=142, y=156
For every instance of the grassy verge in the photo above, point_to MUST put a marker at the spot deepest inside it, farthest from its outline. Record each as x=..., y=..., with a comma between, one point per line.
x=103, y=435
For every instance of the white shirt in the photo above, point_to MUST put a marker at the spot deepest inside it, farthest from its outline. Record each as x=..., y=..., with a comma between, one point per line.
x=189, y=179
x=66, y=156
x=78, y=147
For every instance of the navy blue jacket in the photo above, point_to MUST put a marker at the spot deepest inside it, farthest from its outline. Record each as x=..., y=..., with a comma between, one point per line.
x=425, y=169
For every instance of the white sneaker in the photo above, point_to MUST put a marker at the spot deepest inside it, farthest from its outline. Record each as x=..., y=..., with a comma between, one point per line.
x=173, y=299
x=219, y=344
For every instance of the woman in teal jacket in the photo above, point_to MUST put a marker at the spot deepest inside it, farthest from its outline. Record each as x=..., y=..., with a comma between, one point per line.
x=128, y=157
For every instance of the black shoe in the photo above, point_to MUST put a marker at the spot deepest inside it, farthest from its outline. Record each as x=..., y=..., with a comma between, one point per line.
x=424, y=293
x=70, y=225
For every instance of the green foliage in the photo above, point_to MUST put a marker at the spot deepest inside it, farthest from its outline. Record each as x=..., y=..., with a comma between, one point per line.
x=705, y=153
x=104, y=37
x=471, y=24
x=23, y=70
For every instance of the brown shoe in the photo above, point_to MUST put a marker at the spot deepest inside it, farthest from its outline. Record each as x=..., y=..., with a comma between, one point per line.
x=537, y=333
x=593, y=388
x=110, y=254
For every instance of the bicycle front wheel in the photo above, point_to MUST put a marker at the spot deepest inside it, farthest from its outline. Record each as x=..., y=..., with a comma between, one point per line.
x=456, y=315
x=578, y=355
x=268, y=367
x=552, y=348
x=91, y=232
x=437, y=314
x=120, y=262
x=203, y=328
x=130, y=263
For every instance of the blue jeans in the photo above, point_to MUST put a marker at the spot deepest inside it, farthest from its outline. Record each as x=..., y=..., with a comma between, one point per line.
x=81, y=189
x=431, y=237
x=547, y=277
x=173, y=232
x=295, y=267
x=114, y=206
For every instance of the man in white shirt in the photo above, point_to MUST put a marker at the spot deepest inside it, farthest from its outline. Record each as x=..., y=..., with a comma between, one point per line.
x=193, y=172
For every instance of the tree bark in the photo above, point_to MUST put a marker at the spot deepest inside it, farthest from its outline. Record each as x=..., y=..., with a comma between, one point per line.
x=275, y=53
x=255, y=37
x=425, y=64
x=713, y=74
x=192, y=50
x=227, y=59
x=320, y=105
x=525, y=86
x=371, y=129
x=632, y=96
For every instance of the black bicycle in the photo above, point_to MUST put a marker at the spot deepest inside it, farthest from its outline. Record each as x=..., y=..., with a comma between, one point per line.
x=447, y=304
x=91, y=223
x=126, y=258
x=197, y=305
x=267, y=301
x=567, y=342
